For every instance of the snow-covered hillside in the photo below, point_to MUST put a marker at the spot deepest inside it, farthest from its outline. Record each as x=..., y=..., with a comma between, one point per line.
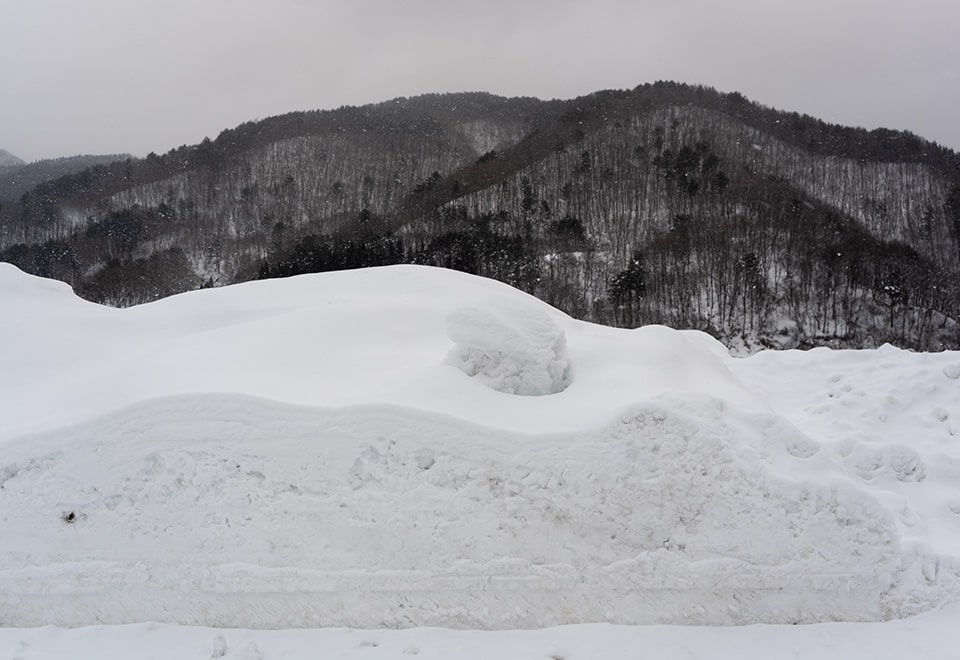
x=408, y=446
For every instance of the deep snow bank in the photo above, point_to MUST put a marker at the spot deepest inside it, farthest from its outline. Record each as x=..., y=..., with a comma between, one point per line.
x=237, y=512
x=302, y=452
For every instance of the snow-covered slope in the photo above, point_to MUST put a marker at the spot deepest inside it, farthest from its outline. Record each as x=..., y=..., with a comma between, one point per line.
x=409, y=446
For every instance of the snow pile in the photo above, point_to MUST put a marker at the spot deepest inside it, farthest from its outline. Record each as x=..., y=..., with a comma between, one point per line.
x=517, y=351
x=301, y=452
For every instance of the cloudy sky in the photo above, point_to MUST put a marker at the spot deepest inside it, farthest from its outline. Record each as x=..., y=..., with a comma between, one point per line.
x=108, y=76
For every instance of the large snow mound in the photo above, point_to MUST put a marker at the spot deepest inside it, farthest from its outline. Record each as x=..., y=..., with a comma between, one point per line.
x=308, y=452
x=380, y=335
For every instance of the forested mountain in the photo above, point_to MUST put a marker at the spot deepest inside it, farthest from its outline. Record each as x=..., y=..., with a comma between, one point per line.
x=17, y=177
x=7, y=159
x=662, y=204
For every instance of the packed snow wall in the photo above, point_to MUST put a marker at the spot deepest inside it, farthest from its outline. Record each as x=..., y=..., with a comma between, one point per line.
x=231, y=511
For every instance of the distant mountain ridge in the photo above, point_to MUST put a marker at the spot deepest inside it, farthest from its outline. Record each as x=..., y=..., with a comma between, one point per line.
x=21, y=177
x=7, y=159
x=666, y=203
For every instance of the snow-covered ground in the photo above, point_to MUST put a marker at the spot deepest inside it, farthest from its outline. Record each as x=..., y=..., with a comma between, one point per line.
x=408, y=447
x=933, y=636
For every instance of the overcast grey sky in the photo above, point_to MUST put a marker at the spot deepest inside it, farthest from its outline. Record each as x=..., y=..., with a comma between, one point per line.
x=107, y=76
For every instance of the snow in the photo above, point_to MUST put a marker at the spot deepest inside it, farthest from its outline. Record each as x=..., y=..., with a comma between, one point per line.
x=374, y=336
x=409, y=447
x=521, y=352
x=933, y=637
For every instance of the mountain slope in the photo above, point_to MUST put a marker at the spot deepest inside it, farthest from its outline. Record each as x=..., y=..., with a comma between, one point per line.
x=7, y=159
x=685, y=217
x=667, y=203
x=15, y=181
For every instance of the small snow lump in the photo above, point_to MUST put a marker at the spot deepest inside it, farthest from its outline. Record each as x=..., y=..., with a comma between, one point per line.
x=513, y=350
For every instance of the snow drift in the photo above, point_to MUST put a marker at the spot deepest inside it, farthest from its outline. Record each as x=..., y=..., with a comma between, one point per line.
x=310, y=452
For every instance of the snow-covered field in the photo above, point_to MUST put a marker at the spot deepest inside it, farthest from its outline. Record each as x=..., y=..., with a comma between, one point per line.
x=414, y=448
